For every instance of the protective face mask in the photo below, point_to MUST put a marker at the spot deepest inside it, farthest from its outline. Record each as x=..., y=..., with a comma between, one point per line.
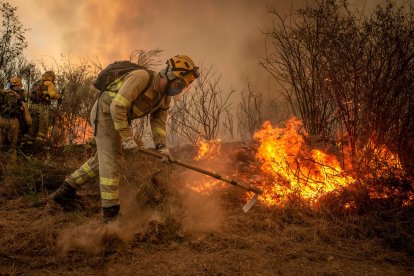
x=176, y=87
x=182, y=94
x=174, y=91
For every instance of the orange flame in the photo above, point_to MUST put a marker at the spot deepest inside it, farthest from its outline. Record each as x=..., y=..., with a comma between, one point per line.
x=207, y=149
x=295, y=169
x=81, y=133
x=384, y=161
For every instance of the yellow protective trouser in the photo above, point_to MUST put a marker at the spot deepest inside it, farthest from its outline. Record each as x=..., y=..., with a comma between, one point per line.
x=108, y=160
x=40, y=124
x=10, y=127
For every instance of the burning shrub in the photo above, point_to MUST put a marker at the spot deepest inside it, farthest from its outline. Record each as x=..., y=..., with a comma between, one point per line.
x=294, y=167
x=292, y=170
x=349, y=74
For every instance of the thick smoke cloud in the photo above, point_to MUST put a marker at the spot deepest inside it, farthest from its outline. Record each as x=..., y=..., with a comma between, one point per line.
x=223, y=33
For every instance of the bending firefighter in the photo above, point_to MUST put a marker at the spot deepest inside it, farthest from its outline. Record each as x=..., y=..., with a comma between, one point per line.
x=134, y=95
x=41, y=94
x=13, y=110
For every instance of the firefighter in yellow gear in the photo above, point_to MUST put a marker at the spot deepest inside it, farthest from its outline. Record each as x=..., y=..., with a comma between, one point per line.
x=41, y=94
x=136, y=94
x=16, y=85
x=13, y=110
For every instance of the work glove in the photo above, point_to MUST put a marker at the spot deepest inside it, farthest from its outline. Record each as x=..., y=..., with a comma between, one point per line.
x=161, y=148
x=129, y=144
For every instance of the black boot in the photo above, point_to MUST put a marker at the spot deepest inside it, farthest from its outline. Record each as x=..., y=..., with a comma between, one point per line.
x=64, y=196
x=110, y=213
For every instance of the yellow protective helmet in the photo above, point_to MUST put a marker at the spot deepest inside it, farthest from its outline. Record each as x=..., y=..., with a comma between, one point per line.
x=16, y=81
x=49, y=75
x=184, y=68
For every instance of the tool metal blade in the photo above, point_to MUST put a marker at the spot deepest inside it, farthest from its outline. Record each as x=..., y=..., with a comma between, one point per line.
x=250, y=203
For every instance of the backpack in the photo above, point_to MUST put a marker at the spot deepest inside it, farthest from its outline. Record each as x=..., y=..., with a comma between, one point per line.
x=36, y=92
x=114, y=71
x=10, y=104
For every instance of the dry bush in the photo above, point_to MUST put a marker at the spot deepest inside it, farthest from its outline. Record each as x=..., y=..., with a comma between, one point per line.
x=42, y=173
x=148, y=59
x=200, y=112
x=249, y=113
x=379, y=213
x=70, y=119
x=228, y=124
x=295, y=61
x=12, y=41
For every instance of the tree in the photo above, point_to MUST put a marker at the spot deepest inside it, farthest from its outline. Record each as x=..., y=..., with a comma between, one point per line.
x=297, y=63
x=12, y=40
x=348, y=73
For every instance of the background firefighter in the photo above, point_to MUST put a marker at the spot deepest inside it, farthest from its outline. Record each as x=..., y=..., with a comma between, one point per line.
x=13, y=112
x=41, y=94
x=138, y=93
x=16, y=85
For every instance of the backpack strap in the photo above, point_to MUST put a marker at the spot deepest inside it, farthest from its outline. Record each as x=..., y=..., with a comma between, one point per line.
x=151, y=76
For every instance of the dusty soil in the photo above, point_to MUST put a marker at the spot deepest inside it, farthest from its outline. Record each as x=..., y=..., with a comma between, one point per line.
x=172, y=230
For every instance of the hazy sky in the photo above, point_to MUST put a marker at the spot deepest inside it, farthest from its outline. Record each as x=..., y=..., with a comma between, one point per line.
x=223, y=33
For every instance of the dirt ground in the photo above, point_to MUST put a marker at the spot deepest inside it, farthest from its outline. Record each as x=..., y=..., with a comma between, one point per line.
x=193, y=234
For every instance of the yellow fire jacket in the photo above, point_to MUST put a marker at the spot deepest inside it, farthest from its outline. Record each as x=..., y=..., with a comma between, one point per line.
x=131, y=101
x=50, y=88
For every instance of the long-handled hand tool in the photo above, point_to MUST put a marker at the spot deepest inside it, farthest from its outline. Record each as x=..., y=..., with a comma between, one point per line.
x=243, y=186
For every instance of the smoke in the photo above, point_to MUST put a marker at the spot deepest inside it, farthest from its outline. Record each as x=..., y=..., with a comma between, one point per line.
x=203, y=197
x=225, y=34
x=202, y=210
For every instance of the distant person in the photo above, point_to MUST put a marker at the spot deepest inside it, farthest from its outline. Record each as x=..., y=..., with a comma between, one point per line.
x=16, y=85
x=13, y=110
x=136, y=94
x=41, y=94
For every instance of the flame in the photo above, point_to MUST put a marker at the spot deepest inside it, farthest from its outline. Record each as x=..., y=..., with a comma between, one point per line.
x=292, y=169
x=207, y=149
x=295, y=169
x=80, y=133
x=383, y=162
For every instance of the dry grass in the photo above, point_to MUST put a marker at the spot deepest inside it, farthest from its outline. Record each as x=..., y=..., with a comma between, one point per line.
x=151, y=237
